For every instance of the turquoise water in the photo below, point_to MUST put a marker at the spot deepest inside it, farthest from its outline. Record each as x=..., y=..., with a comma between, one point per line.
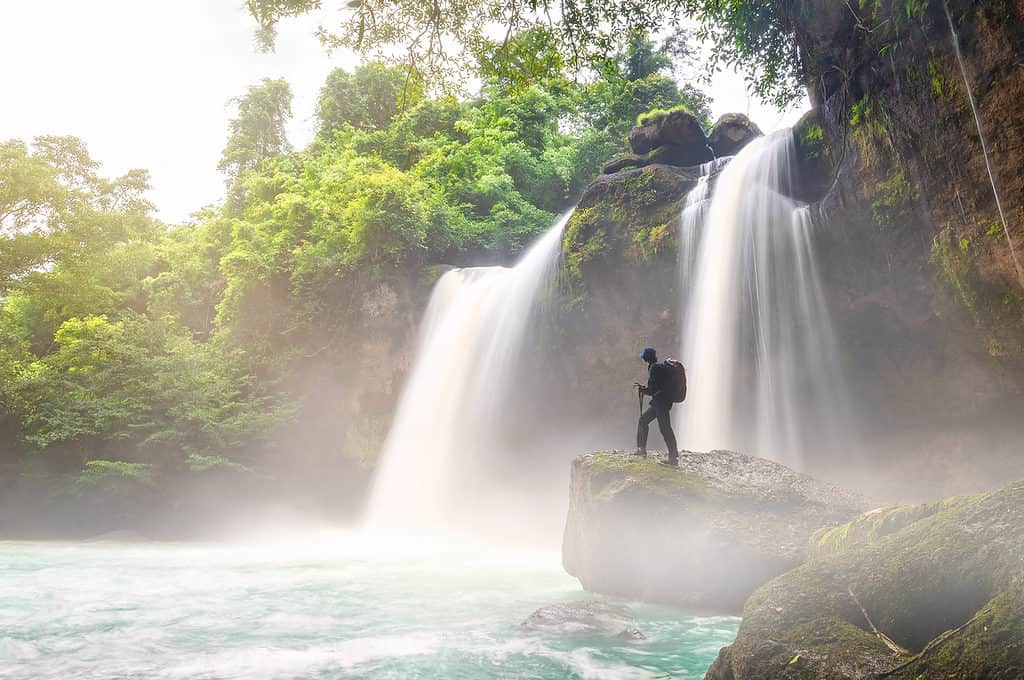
x=336, y=606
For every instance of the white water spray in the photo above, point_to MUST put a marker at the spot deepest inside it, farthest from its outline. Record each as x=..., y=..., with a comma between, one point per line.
x=984, y=146
x=757, y=336
x=436, y=469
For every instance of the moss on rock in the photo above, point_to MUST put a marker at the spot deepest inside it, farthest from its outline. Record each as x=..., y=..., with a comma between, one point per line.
x=703, y=535
x=623, y=220
x=945, y=589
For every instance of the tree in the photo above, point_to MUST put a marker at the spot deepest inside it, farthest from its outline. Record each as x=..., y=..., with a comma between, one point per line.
x=367, y=99
x=257, y=131
x=433, y=38
x=55, y=207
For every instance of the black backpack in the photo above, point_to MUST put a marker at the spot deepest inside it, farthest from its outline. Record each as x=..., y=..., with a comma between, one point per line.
x=677, y=382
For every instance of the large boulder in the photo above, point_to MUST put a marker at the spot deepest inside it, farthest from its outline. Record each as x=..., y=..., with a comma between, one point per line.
x=705, y=535
x=934, y=591
x=732, y=132
x=678, y=130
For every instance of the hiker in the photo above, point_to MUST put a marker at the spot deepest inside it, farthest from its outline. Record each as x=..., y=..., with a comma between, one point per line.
x=663, y=387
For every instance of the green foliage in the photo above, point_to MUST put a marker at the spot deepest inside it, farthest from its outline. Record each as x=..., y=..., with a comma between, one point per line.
x=893, y=201
x=369, y=98
x=101, y=472
x=439, y=41
x=55, y=208
x=813, y=135
x=257, y=130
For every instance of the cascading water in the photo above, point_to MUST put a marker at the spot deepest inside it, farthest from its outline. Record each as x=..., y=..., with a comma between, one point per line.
x=757, y=336
x=436, y=467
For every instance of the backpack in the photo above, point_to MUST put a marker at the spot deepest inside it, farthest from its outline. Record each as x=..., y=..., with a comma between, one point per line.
x=677, y=383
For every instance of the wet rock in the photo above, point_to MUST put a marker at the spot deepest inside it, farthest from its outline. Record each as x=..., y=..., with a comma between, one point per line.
x=705, y=535
x=677, y=130
x=584, y=616
x=732, y=132
x=631, y=635
x=935, y=591
x=814, y=165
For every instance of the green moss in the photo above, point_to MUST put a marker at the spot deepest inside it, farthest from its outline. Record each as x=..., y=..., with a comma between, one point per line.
x=868, y=122
x=647, y=241
x=627, y=220
x=872, y=526
x=606, y=472
x=583, y=242
x=948, y=585
x=893, y=201
x=996, y=310
x=104, y=472
x=953, y=267
x=645, y=118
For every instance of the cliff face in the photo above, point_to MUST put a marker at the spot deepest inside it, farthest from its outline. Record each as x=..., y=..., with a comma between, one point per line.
x=702, y=536
x=927, y=295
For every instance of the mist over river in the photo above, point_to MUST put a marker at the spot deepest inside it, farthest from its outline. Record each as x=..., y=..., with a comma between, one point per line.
x=334, y=606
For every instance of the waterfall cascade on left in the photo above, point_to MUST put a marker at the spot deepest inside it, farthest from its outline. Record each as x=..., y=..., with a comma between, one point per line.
x=434, y=469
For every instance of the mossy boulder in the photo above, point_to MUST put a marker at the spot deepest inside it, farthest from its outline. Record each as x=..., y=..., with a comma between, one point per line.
x=626, y=219
x=678, y=131
x=704, y=536
x=932, y=591
x=732, y=132
x=669, y=154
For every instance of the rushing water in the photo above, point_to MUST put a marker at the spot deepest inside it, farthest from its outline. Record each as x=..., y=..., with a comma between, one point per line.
x=757, y=336
x=438, y=464
x=339, y=606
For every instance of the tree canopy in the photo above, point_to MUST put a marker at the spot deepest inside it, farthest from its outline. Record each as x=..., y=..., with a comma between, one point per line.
x=436, y=39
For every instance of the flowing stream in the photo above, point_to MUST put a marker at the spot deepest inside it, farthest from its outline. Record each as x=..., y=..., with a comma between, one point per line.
x=438, y=467
x=329, y=606
x=757, y=338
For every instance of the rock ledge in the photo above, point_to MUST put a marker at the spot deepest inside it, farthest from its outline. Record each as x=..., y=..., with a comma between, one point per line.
x=704, y=536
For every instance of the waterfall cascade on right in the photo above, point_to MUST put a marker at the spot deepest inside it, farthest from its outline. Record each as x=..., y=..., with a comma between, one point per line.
x=758, y=341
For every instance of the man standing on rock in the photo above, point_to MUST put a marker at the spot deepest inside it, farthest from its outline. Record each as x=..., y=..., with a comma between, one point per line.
x=662, y=391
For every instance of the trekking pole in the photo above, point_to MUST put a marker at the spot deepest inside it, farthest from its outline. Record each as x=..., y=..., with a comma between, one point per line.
x=640, y=398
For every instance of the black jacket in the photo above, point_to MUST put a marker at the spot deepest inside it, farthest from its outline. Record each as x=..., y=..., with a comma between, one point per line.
x=659, y=379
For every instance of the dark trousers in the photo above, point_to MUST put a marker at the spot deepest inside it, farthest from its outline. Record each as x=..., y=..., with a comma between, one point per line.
x=659, y=411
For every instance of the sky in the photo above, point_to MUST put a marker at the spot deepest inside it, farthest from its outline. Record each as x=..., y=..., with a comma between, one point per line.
x=147, y=84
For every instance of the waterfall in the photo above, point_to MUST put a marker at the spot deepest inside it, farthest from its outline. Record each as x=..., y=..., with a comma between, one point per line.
x=757, y=338
x=435, y=467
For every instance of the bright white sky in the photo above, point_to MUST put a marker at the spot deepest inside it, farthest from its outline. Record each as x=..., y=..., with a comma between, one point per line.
x=146, y=84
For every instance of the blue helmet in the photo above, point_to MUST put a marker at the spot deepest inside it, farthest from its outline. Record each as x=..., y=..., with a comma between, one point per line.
x=648, y=354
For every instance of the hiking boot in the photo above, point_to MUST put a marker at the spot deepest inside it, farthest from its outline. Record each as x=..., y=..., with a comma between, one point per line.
x=669, y=462
x=640, y=453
